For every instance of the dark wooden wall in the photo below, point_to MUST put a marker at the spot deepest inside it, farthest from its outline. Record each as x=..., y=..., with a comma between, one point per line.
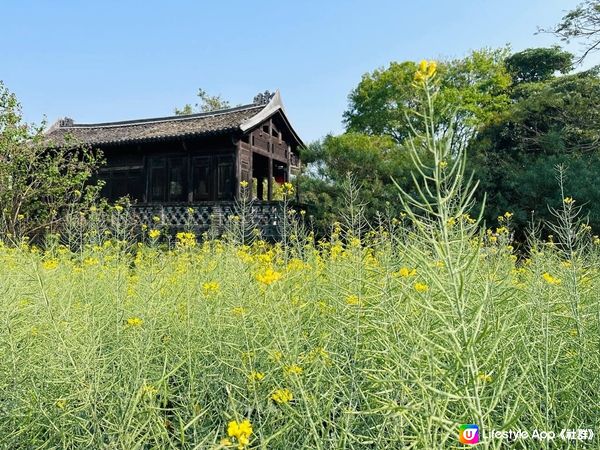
x=135, y=169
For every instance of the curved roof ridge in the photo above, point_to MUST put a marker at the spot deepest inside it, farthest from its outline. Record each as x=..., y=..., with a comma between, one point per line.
x=162, y=119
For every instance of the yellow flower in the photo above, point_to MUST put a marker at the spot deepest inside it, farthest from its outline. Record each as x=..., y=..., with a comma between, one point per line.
x=443, y=164
x=282, y=396
x=485, y=377
x=90, y=262
x=118, y=208
x=238, y=311
x=550, y=279
x=149, y=390
x=269, y=276
x=185, y=239
x=241, y=431
x=50, y=264
x=353, y=300
x=134, y=322
x=508, y=215
x=287, y=188
x=256, y=376
x=425, y=71
x=406, y=272
x=155, y=219
x=294, y=369
x=61, y=404
x=244, y=184
x=211, y=287
x=421, y=287
x=431, y=69
x=154, y=234
x=568, y=200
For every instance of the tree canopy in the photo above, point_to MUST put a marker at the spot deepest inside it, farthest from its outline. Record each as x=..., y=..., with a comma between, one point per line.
x=538, y=64
x=525, y=112
x=581, y=24
x=207, y=103
x=38, y=183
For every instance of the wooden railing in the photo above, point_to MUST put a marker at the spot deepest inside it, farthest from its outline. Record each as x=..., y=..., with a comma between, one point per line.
x=208, y=216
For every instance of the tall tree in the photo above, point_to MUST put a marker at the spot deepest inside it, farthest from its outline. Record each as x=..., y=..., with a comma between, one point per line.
x=37, y=183
x=538, y=64
x=550, y=123
x=207, y=103
x=582, y=24
x=378, y=122
x=472, y=90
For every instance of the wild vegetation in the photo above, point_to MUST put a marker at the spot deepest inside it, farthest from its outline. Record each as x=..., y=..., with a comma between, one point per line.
x=386, y=335
x=521, y=114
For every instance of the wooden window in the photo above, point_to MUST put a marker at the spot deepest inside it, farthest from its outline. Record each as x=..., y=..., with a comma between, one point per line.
x=201, y=179
x=224, y=178
x=177, y=187
x=158, y=180
x=122, y=181
x=168, y=179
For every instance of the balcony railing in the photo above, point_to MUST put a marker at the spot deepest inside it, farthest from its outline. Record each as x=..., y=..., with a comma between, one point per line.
x=208, y=216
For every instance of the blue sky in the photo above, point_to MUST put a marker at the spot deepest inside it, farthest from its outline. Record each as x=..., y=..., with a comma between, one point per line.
x=115, y=60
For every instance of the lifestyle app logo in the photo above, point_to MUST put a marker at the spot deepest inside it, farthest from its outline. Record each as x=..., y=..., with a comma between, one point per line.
x=468, y=434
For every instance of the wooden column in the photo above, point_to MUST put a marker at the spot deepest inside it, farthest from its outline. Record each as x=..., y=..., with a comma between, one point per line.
x=289, y=163
x=270, y=180
x=259, y=188
x=238, y=167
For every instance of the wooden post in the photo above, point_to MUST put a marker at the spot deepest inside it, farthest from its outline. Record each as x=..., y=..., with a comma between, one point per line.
x=238, y=167
x=259, y=188
x=270, y=181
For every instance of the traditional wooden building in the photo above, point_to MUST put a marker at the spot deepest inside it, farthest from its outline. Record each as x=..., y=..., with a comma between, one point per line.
x=168, y=164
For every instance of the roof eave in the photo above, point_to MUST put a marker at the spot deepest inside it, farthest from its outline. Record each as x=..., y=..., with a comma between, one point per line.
x=275, y=105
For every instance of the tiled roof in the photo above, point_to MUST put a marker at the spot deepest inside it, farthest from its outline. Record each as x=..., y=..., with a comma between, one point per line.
x=142, y=130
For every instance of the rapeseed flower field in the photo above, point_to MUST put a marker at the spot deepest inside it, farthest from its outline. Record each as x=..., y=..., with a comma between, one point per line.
x=383, y=336
x=337, y=344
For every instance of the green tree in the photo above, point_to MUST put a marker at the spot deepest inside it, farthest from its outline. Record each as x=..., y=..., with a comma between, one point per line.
x=207, y=103
x=372, y=160
x=538, y=64
x=550, y=123
x=380, y=121
x=38, y=182
x=472, y=90
x=582, y=24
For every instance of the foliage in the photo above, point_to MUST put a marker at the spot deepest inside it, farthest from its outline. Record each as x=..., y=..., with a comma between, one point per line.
x=538, y=64
x=582, y=23
x=470, y=90
x=207, y=103
x=372, y=160
x=380, y=126
x=38, y=184
x=551, y=123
